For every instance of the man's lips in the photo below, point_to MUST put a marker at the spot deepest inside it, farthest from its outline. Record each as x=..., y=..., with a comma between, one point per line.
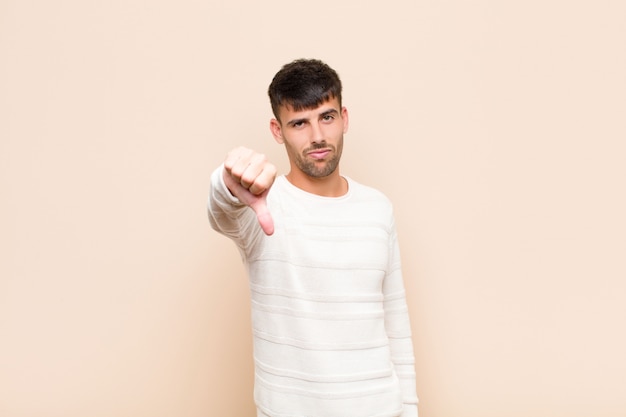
x=319, y=153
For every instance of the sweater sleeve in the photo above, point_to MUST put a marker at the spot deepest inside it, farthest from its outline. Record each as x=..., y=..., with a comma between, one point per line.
x=230, y=217
x=398, y=327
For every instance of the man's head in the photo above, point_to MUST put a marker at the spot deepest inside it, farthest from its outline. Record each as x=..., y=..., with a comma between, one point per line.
x=309, y=120
x=303, y=84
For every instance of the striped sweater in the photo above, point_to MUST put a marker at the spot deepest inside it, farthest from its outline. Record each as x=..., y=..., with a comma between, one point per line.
x=330, y=322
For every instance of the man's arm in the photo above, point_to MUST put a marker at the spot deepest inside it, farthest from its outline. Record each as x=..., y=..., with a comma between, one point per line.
x=398, y=328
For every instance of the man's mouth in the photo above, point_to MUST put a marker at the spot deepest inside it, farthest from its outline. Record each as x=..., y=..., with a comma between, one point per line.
x=319, y=153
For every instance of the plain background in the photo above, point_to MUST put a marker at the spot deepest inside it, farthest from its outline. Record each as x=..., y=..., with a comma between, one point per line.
x=496, y=127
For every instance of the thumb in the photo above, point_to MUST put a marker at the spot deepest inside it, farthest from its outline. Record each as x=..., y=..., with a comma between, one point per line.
x=263, y=215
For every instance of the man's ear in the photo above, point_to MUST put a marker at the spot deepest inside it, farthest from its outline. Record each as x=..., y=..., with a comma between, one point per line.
x=344, y=116
x=277, y=131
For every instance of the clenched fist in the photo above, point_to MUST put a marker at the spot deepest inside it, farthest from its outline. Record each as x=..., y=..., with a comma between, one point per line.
x=249, y=177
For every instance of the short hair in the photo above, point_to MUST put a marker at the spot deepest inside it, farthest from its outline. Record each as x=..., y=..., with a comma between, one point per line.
x=304, y=84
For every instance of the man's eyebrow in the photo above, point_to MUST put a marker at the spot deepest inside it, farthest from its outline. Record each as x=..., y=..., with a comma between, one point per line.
x=306, y=119
x=296, y=121
x=329, y=112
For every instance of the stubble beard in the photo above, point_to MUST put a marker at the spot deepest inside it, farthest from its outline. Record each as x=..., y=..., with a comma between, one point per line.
x=312, y=168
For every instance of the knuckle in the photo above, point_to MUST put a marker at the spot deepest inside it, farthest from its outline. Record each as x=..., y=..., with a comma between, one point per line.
x=247, y=180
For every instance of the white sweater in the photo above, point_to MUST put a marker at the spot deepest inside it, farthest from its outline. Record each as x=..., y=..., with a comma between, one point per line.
x=329, y=315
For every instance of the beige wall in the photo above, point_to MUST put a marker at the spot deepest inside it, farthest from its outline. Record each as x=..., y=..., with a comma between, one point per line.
x=497, y=128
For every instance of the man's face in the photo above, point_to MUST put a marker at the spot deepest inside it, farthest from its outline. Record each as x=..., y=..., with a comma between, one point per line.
x=313, y=138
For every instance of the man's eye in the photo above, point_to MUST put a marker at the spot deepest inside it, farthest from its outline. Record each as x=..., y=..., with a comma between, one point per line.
x=328, y=117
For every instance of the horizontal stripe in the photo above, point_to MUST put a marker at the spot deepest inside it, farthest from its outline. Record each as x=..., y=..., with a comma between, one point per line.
x=316, y=264
x=302, y=344
x=400, y=295
x=329, y=298
x=392, y=386
x=377, y=314
x=335, y=378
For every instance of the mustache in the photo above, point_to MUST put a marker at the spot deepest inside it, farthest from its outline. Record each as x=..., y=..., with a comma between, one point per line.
x=320, y=145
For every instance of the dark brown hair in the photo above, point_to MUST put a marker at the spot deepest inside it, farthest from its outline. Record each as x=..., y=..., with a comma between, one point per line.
x=304, y=84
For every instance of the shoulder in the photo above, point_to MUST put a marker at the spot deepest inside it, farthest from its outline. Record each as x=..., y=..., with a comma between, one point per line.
x=371, y=202
x=365, y=192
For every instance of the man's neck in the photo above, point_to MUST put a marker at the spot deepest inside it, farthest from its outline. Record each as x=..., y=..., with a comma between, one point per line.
x=333, y=185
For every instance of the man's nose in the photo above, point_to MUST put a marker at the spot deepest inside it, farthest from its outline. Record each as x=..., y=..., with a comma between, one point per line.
x=317, y=136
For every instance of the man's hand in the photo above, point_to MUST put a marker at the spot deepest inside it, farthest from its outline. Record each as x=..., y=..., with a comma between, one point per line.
x=249, y=176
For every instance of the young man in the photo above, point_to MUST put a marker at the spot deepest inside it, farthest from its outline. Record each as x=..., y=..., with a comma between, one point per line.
x=329, y=315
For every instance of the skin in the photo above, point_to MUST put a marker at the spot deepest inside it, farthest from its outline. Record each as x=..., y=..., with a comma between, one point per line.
x=313, y=139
